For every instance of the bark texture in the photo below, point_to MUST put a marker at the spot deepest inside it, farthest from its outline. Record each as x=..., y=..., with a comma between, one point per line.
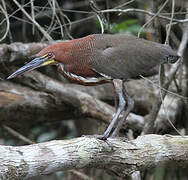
x=118, y=156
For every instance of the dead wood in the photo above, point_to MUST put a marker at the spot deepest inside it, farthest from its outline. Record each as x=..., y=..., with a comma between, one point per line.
x=115, y=155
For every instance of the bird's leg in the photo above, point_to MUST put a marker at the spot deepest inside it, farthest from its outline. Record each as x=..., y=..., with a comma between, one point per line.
x=115, y=99
x=130, y=105
x=118, y=85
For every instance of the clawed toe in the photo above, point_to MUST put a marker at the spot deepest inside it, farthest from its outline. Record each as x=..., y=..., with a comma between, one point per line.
x=98, y=136
x=101, y=137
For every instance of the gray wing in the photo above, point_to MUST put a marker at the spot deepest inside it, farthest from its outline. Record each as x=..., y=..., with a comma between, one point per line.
x=128, y=60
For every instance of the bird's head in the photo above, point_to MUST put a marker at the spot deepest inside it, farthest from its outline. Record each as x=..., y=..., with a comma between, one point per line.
x=44, y=57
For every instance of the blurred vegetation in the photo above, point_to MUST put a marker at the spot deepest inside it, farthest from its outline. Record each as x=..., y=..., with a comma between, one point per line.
x=128, y=27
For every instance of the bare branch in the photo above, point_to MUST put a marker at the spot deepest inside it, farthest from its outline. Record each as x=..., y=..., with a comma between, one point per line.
x=145, y=12
x=46, y=35
x=88, y=105
x=32, y=15
x=161, y=8
x=170, y=24
x=18, y=135
x=7, y=22
x=15, y=51
x=148, y=127
x=123, y=159
x=102, y=20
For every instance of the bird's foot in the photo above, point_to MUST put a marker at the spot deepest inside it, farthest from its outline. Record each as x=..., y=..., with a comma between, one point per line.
x=101, y=136
x=168, y=135
x=104, y=138
x=98, y=136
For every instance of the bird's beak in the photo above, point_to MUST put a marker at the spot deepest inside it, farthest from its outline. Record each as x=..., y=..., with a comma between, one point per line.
x=35, y=63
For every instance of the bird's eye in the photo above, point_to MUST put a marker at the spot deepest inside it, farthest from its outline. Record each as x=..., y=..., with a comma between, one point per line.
x=50, y=54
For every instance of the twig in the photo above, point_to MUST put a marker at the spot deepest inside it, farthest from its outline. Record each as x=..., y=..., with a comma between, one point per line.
x=163, y=75
x=108, y=16
x=145, y=12
x=101, y=24
x=51, y=26
x=162, y=88
x=157, y=14
x=170, y=24
x=184, y=40
x=150, y=119
x=100, y=16
x=18, y=135
x=63, y=17
x=7, y=21
x=53, y=8
x=148, y=128
x=79, y=21
x=32, y=15
x=12, y=15
x=46, y=35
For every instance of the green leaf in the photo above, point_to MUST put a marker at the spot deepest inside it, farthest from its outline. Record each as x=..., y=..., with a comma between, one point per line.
x=116, y=28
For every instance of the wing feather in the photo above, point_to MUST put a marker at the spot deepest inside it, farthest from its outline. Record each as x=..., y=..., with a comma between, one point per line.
x=126, y=59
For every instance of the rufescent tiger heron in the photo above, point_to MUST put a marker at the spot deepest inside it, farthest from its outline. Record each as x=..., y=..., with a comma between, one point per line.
x=104, y=58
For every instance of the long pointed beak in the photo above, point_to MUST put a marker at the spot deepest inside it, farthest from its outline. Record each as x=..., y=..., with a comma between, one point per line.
x=35, y=63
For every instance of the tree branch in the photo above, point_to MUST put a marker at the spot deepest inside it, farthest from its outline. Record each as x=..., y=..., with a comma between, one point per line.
x=123, y=159
x=15, y=51
x=63, y=96
x=45, y=34
x=145, y=12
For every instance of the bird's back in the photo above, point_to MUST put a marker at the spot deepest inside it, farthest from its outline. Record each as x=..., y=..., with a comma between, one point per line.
x=125, y=57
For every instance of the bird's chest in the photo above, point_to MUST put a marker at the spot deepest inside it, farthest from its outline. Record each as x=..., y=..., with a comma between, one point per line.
x=79, y=63
x=78, y=66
